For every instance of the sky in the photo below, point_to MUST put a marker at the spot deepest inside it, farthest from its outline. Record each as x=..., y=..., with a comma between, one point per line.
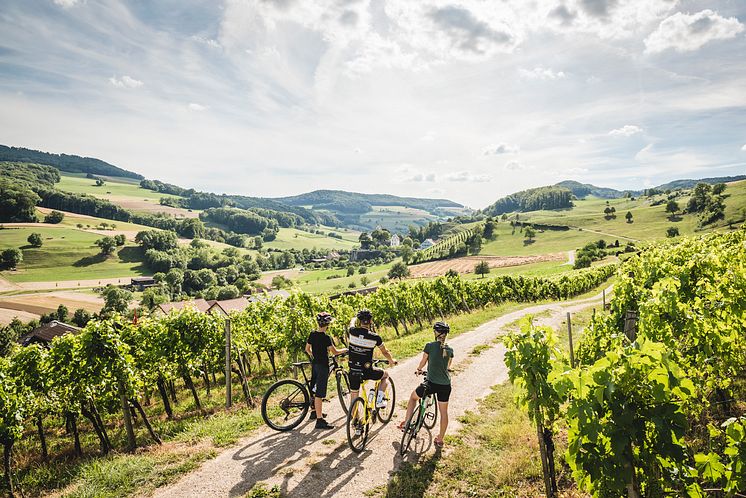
x=468, y=100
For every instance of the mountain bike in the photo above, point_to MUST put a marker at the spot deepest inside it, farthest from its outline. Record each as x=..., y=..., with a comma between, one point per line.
x=287, y=402
x=363, y=412
x=425, y=414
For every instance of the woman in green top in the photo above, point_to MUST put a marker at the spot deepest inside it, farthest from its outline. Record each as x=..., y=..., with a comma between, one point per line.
x=438, y=356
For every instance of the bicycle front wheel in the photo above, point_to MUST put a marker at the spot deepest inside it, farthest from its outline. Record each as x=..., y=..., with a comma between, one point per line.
x=285, y=405
x=385, y=414
x=431, y=412
x=343, y=390
x=410, y=431
x=357, y=425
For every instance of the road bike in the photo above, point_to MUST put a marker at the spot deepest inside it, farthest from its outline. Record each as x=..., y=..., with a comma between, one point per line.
x=425, y=414
x=287, y=402
x=363, y=412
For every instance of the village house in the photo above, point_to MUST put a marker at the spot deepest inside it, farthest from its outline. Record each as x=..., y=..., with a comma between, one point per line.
x=395, y=241
x=426, y=244
x=142, y=283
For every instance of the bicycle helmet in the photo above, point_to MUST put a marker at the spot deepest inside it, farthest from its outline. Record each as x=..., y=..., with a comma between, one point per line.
x=364, y=315
x=324, y=318
x=441, y=327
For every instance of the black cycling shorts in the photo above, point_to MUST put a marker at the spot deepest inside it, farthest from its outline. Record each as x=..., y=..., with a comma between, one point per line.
x=441, y=391
x=358, y=376
x=319, y=379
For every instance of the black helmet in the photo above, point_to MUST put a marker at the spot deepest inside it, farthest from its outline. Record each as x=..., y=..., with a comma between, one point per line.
x=324, y=318
x=364, y=315
x=441, y=327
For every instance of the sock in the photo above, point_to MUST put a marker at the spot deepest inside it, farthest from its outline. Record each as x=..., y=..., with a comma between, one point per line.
x=380, y=396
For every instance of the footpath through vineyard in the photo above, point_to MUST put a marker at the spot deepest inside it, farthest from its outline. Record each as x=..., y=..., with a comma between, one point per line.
x=309, y=463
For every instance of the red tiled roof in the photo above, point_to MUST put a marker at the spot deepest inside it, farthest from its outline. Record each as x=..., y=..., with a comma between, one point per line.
x=47, y=332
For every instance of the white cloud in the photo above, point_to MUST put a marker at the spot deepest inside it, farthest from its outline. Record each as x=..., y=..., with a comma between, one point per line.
x=689, y=32
x=210, y=42
x=514, y=166
x=541, y=73
x=125, y=82
x=466, y=176
x=421, y=177
x=67, y=3
x=626, y=131
x=428, y=137
x=197, y=107
x=743, y=148
x=501, y=148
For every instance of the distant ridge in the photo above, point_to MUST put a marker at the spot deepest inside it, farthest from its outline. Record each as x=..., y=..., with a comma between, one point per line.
x=65, y=162
x=581, y=190
x=690, y=183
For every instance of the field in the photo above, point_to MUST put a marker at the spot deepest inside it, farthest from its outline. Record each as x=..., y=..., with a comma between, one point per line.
x=467, y=263
x=123, y=192
x=396, y=218
x=32, y=305
x=67, y=254
x=292, y=238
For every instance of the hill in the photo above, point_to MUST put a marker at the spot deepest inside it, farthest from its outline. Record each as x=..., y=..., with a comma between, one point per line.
x=532, y=199
x=688, y=183
x=65, y=162
x=354, y=202
x=582, y=190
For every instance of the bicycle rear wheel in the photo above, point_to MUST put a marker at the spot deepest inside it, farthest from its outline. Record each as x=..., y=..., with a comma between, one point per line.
x=385, y=414
x=431, y=412
x=357, y=425
x=410, y=431
x=285, y=405
x=343, y=390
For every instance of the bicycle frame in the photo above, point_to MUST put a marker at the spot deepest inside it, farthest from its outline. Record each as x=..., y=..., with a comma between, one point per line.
x=370, y=408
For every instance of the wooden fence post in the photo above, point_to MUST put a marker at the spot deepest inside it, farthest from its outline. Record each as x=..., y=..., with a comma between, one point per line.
x=630, y=325
x=569, y=336
x=603, y=295
x=127, y=419
x=228, y=392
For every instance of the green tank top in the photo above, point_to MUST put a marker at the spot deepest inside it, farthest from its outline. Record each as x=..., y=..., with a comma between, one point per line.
x=437, y=365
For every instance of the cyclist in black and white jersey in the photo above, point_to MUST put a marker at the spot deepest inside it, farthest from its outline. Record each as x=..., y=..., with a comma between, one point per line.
x=362, y=342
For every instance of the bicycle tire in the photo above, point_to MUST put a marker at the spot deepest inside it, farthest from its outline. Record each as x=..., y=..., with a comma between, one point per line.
x=434, y=407
x=390, y=394
x=357, y=445
x=299, y=408
x=343, y=390
x=410, y=432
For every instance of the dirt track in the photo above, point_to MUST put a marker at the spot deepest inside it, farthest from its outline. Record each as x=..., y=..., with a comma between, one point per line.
x=307, y=463
x=467, y=263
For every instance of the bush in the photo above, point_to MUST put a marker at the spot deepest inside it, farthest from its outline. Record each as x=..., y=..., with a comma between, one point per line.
x=35, y=240
x=672, y=232
x=11, y=257
x=54, y=217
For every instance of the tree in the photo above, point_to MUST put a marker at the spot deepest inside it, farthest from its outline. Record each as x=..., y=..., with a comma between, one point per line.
x=399, y=270
x=154, y=296
x=529, y=233
x=475, y=244
x=258, y=242
x=17, y=202
x=365, y=240
x=11, y=257
x=364, y=280
x=162, y=240
x=718, y=188
x=81, y=317
x=120, y=239
x=107, y=245
x=279, y=281
x=607, y=212
x=99, y=182
x=362, y=270
x=54, y=217
x=350, y=271
x=62, y=313
x=482, y=268
x=406, y=253
x=35, y=240
x=628, y=216
x=116, y=300
x=672, y=232
x=672, y=207
x=489, y=230
x=451, y=273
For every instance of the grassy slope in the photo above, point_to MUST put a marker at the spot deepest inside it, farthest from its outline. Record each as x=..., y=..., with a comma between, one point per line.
x=292, y=238
x=67, y=254
x=508, y=243
x=396, y=218
x=114, y=188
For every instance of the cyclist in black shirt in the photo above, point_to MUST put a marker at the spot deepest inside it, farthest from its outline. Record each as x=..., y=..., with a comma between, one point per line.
x=317, y=347
x=362, y=342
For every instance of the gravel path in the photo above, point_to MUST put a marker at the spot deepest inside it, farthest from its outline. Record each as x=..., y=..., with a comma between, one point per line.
x=308, y=463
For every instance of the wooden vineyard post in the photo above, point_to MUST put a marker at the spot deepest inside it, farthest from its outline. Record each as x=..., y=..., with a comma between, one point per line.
x=569, y=336
x=603, y=295
x=543, y=452
x=127, y=419
x=228, y=392
x=630, y=325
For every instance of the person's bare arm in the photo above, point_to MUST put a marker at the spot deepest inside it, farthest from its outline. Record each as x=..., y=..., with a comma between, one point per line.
x=423, y=362
x=386, y=353
x=308, y=350
x=334, y=350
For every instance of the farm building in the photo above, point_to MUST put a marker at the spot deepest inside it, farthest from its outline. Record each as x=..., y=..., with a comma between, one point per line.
x=44, y=334
x=142, y=283
x=228, y=305
x=426, y=244
x=198, y=304
x=395, y=241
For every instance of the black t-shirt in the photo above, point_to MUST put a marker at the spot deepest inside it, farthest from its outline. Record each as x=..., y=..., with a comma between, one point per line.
x=362, y=344
x=320, y=343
